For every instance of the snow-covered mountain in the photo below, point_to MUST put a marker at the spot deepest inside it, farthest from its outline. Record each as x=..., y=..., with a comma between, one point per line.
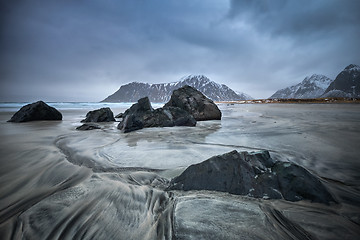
x=311, y=87
x=244, y=96
x=161, y=92
x=346, y=83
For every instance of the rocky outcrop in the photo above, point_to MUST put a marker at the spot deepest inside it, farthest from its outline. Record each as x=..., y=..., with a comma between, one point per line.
x=88, y=126
x=142, y=115
x=253, y=174
x=346, y=83
x=195, y=103
x=100, y=115
x=36, y=111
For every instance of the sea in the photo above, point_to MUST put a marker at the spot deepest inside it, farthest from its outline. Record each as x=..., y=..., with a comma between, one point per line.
x=60, y=183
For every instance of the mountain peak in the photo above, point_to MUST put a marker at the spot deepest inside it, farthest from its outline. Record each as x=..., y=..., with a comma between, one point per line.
x=196, y=77
x=352, y=67
x=346, y=83
x=311, y=87
x=161, y=92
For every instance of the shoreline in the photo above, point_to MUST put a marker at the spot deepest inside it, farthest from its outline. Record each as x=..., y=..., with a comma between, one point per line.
x=294, y=100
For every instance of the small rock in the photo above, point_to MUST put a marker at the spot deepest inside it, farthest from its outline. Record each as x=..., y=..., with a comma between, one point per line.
x=36, y=111
x=88, y=126
x=100, y=115
x=120, y=115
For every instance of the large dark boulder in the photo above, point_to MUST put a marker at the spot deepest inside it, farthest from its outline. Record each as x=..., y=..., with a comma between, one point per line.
x=195, y=103
x=253, y=174
x=36, y=111
x=100, y=115
x=142, y=115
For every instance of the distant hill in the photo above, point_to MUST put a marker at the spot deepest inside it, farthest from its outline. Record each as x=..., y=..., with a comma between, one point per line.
x=311, y=87
x=346, y=83
x=161, y=92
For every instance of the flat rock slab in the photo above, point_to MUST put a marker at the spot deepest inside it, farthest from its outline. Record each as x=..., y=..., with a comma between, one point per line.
x=216, y=217
x=35, y=112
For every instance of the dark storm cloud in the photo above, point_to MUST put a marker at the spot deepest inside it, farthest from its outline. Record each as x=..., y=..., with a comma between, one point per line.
x=304, y=36
x=77, y=50
x=298, y=18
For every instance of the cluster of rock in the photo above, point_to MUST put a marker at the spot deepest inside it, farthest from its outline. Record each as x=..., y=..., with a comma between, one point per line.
x=253, y=174
x=186, y=106
x=142, y=115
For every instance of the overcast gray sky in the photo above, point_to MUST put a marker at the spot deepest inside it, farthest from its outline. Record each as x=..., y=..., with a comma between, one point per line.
x=84, y=50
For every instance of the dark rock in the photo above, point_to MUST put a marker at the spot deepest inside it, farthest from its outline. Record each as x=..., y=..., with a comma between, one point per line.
x=296, y=183
x=195, y=103
x=143, y=105
x=253, y=174
x=36, y=111
x=100, y=115
x=225, y=173
x=142, y=115
x=131, y=123
x=120, y=115
x=88, y=126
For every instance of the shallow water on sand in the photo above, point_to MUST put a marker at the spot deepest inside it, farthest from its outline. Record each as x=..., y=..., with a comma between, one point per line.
x=59, y=183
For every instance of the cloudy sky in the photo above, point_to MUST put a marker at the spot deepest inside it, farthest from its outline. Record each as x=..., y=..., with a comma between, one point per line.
x=84, y=50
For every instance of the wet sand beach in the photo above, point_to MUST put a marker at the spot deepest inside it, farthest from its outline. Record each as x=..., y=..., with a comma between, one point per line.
x=60, y=183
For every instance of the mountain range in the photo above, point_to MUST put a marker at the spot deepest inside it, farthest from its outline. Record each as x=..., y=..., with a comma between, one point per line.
x=161, y=92
x=346, y=84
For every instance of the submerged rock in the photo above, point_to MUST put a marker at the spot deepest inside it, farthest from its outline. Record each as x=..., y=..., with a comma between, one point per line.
x=88, y=126
x=100, y=115
x=36, y=111
x=195, y=103
x=142, y=115
x=253, y=174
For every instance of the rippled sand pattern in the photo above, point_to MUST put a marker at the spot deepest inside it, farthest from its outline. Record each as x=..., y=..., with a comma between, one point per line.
x=59, y=183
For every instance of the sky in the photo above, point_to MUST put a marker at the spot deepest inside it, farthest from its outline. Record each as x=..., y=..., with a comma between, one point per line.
x=84, y=50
